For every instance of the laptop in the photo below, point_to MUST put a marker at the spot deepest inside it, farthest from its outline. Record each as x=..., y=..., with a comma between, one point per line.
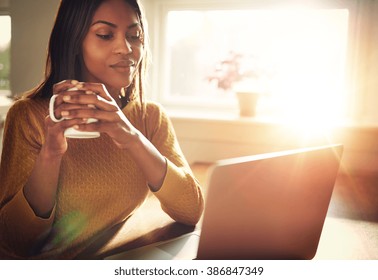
x=267, y=206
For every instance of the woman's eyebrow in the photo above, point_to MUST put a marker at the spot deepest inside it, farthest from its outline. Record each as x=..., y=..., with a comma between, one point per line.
x=136, y=24
x=115, y=25
x=105, y=22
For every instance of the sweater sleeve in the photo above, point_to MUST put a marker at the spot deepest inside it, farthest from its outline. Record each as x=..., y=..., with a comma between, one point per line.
x=180, y=195
x=20, y=228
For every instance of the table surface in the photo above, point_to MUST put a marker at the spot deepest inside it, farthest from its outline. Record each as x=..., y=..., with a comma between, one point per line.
x=350, y=230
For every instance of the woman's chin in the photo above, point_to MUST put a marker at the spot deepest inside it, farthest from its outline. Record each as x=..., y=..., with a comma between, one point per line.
x=115, y=89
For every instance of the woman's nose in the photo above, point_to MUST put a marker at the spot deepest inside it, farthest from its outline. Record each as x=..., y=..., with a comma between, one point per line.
x=122, y=47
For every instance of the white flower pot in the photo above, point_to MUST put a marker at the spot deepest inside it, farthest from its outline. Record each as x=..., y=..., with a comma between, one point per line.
x=247, y=103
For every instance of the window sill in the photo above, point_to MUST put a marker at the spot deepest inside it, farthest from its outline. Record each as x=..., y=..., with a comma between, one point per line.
x=209, y=137
x=233, y=117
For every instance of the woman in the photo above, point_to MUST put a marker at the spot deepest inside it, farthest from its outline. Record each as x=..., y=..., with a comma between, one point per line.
x=57, y=193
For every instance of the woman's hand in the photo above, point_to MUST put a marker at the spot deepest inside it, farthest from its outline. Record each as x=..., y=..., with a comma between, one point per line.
x=92, y=100
x=55, y=143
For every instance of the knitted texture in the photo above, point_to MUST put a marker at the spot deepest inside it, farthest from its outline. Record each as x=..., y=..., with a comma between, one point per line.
x=99, y=184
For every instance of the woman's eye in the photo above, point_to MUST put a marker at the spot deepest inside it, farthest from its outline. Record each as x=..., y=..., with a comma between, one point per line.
x=134, y=36
x=105, y=36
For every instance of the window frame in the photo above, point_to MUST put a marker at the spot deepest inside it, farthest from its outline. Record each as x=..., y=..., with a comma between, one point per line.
x=157, y=11
x=5, y=11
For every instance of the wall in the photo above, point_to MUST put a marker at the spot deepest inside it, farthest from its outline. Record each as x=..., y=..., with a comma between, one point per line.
x=208, y=140
x=4, y=4
x=31, y=25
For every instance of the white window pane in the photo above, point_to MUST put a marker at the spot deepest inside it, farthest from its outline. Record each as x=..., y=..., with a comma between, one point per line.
x=305, y=49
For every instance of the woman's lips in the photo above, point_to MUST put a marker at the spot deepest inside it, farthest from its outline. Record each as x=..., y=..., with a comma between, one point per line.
x=123, y=66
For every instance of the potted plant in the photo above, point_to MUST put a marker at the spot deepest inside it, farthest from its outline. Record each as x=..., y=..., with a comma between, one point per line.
x=243, y=75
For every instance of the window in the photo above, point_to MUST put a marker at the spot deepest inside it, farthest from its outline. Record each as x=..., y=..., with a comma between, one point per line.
x=303, y=49
x=5, y=36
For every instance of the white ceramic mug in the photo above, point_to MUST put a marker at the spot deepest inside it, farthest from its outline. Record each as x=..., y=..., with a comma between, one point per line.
x=71, y=132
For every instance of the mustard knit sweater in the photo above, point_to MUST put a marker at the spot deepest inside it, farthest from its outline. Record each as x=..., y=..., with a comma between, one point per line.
x=99, y=184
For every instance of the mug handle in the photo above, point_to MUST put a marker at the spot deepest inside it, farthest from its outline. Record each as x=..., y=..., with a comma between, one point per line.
x=51, y=109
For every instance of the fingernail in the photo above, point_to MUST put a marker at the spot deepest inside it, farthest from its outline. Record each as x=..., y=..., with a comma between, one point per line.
x=89, y=92
x=92, y=106
x=74, y=82
x=65, y=113
x=66, y=98
x=76, y=126
x=61, y=82
x=79, y=85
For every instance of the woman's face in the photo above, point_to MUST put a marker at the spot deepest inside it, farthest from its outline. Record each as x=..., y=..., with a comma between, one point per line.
x=113, y=46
